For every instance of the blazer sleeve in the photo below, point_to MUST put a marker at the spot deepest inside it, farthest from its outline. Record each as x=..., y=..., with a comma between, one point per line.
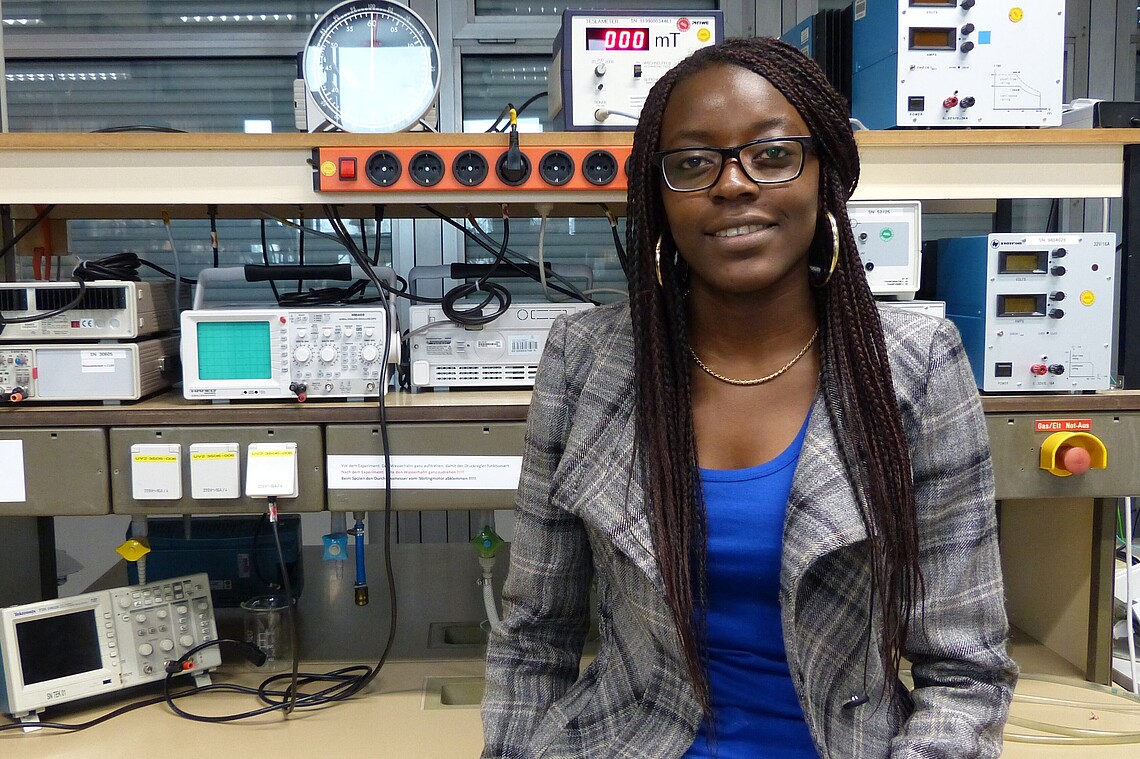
x=963, y=677
x=535, y=657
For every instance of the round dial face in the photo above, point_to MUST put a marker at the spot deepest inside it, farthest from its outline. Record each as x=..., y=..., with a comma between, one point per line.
x=372, y=66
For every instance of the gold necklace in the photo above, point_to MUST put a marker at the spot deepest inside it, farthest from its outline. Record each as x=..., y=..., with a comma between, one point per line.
x=758, y=380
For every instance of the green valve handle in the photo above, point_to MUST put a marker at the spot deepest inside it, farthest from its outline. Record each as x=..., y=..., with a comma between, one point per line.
x=487, y=543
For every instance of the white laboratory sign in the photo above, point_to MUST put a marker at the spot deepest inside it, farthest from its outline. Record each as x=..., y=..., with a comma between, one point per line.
x=425, y=472
x=12, y=472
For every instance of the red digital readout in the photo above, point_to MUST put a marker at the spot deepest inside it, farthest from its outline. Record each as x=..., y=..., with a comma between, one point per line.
x=617, y=38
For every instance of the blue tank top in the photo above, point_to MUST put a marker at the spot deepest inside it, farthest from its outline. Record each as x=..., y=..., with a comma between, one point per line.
x=754, y=702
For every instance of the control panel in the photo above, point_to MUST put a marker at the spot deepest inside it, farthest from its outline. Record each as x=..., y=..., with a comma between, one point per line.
x=957, y=63
x=888, y=236
x=605, y=62
x=158, y=622
x=1035, y=311
x=300, y=353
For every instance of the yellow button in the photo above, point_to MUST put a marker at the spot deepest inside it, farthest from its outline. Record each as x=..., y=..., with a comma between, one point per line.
x=1015, y=14
x=328, y=168
x=1088, y=297
x=704, y=35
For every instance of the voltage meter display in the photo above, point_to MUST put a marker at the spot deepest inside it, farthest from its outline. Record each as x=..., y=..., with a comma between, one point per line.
x=617, y=38
x=1022, y=261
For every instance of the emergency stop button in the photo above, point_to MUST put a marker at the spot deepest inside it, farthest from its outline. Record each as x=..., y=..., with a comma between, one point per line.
x=346, y=169
x=1067, y=453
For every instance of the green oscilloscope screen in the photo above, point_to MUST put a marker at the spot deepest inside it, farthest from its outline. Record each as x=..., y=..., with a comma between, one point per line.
x=234, y=350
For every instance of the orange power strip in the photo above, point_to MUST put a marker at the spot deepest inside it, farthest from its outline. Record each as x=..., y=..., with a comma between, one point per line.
x=459, y=168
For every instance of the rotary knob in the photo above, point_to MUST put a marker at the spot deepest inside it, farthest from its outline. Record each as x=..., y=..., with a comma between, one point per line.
x=302, y=355
x=146, y=649
x=369, y=353
x=186, y=641
x=328, y=354
x=166, y=644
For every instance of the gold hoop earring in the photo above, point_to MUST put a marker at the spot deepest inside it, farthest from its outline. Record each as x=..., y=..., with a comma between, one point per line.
x=819, y=279
x=657, y=259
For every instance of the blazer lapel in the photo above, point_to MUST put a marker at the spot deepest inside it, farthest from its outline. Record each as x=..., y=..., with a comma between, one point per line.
x=823, y=513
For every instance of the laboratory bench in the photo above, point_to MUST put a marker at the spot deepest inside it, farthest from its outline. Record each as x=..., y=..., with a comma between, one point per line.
x=1057, y=532
x=428, y=709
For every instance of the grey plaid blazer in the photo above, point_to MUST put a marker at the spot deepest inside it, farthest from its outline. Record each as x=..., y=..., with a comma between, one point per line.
x=581, y=517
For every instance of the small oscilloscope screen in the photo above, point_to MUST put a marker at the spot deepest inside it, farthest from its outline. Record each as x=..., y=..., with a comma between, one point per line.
x=59, y=646
x=234, y=350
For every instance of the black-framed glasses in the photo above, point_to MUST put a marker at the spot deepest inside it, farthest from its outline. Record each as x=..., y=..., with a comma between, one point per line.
x=769, y=161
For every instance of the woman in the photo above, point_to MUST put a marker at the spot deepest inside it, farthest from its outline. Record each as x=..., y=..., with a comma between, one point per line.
x=777, y=488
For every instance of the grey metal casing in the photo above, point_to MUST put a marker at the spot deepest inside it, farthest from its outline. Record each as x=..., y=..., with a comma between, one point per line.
x=428, y=439
x=65, y=472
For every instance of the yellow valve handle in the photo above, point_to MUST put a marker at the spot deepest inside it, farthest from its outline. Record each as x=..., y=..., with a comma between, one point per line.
x=133, y=549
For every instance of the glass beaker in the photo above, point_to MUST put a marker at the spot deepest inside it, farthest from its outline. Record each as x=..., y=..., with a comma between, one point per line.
x=266, y=623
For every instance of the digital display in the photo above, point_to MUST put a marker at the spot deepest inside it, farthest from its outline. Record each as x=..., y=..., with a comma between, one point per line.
x=58, y=646
x=1023, y=262
x=234, y=351
x=617, y=38
x=1021, y=305
x=928, y=38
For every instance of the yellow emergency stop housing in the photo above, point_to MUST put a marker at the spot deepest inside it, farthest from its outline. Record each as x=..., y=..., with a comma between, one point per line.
x=1051, y=447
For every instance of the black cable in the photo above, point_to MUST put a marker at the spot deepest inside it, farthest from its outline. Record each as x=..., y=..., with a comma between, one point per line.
x=138, y=128
x=121, y=267
x=568, y=288
x=617, y=239
x=212, y=211
x=265, y=258
x=507, y=109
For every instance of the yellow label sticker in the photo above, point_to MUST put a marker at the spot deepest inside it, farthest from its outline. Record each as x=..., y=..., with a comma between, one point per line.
x=261, y=454
x=328, y=168
x=1016, y=14
x=703, y=34
x=155, y=459
x=1088, y=297
x=222, y=456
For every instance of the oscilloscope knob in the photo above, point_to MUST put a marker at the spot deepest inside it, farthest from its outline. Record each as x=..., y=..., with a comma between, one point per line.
x=302, y=355
x=369, y=353
x=328, y=354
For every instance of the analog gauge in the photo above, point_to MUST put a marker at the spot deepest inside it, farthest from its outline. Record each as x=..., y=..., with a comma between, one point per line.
x=371, y=66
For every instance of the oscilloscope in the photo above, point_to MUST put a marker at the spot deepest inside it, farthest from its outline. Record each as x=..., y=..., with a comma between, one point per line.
x=301, y=353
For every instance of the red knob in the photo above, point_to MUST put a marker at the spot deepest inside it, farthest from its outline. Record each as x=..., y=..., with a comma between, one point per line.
x=1074, y=459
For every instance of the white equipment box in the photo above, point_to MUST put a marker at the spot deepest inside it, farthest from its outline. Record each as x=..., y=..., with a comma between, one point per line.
x=501, y=353
x=108, y=372
x=108, y=310
x=957, y=63
x=605, y=62
x=1035, y=311
x=889, y=239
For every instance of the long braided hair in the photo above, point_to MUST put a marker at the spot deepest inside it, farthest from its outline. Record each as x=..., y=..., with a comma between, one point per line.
x=855, y=375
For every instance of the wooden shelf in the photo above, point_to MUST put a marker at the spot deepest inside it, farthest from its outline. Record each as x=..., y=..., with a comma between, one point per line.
x=133, y=174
